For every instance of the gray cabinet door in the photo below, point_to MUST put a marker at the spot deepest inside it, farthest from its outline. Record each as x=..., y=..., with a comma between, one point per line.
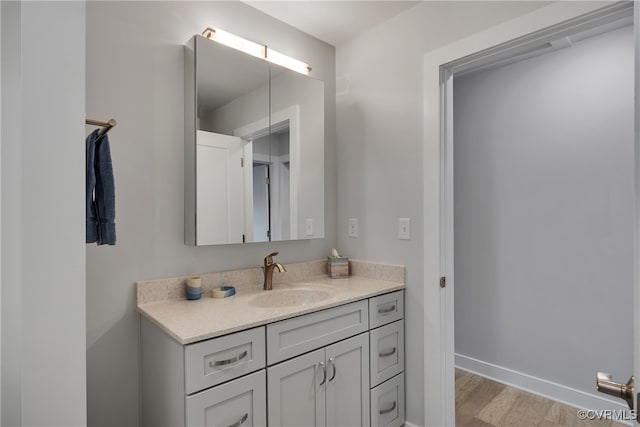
x=238, y=403
x=296, y=390
x=348, y=382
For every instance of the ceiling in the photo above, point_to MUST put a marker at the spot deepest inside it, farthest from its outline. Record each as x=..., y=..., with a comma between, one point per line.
x=334, y=22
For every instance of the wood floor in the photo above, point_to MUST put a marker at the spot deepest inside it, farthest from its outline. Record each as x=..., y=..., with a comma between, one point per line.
x=481, y=402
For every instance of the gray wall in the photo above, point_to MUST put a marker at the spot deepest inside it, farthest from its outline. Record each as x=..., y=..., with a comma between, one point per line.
x=11, y=209
x=134, y=74
x=43, y=257
x=543, y=193
x=379, y=107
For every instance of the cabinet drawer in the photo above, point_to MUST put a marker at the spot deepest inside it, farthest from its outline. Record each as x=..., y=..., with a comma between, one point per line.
x=386, y=309
x=237, y=403
x=217, y=360
x=387, y=403
x=292, y=337
x=387, y=352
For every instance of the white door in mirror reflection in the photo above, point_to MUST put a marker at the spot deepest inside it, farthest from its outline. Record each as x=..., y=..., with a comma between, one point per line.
x=219, y=184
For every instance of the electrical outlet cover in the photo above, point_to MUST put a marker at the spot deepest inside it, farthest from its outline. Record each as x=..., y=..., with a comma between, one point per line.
x=353, y=227
x=404, y=228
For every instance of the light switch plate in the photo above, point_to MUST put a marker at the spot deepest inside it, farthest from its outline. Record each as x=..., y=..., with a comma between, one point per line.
x=404, y=228
x=309, y=227
x=353, y=227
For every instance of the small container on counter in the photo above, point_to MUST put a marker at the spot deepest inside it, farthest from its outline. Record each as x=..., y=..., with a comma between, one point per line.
x=193, y=288
x=223, y=292
x=338, y=267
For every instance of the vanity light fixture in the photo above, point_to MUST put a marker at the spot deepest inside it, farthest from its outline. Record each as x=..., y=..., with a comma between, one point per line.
x=235, y=42
x=256, y=50
x=287, y=61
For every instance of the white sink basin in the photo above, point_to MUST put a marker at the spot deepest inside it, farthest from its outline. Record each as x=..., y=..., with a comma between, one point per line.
x=290, y=297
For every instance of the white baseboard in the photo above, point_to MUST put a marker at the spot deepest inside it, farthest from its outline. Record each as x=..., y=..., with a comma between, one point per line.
x=408, y=424
x=544, y=388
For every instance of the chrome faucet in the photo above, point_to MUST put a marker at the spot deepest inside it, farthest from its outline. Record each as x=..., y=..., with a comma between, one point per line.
x=268, y=268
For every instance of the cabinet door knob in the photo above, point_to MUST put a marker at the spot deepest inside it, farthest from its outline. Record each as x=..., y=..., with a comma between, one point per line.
x=240, y=421
x=386, y=411
x=228, y=361
x=332, y=362
x=324, y=373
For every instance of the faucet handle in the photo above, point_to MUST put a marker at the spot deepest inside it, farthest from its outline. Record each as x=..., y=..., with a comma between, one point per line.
x=269, y=258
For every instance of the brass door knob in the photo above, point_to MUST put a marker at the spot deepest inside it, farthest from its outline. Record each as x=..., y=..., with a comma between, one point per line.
x=606, y=385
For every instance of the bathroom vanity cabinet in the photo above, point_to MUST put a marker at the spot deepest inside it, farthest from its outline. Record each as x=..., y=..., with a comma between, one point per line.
x=326, y=387
x=333, y=367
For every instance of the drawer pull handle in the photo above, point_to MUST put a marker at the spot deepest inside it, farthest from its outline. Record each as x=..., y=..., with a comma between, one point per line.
x=387, y=310
x=386, y=411
x=324, y=373
x=240, y=421
x=333, y=365
x=228, y=361
x=387, y=353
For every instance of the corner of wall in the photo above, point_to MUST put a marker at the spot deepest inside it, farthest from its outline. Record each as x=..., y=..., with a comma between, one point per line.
x=43, y=277
x=10, y=167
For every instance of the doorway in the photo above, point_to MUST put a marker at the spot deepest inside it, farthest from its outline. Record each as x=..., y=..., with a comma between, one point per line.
x=543, y=182
x=272, y=141
x=269, y=207
x=543, y=221
x=523, y=34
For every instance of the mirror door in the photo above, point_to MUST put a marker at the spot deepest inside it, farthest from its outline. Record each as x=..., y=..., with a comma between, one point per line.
x=276, y=190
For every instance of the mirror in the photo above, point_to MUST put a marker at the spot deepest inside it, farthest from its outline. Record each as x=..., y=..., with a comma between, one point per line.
x=254, y=149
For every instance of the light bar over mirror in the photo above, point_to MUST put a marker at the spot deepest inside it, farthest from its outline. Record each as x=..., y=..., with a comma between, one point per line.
x=255, y=49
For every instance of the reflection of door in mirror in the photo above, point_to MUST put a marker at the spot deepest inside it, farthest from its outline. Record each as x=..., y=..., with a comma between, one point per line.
x=219, y=182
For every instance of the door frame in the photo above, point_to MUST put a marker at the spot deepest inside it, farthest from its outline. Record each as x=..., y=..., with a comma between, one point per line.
x=263, y=127
x=518, y=36
x=636, y=234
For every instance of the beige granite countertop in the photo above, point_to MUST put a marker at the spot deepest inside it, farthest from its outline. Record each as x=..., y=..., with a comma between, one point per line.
x=191, y=321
